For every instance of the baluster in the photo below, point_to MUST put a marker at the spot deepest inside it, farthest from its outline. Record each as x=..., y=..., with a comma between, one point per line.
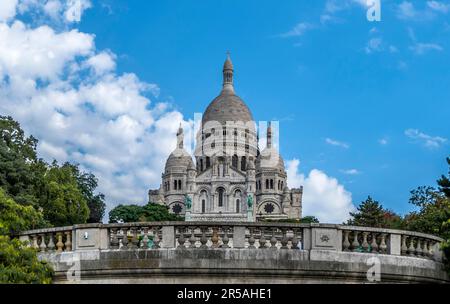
x=284, y=240
x=42, y=246
x=114, y=243
x=273, y=240
x=383, y=246
x=68, y=243
x=295, y=239
x=346, y=243
x=431, y=250
x=59, y=244
x=134, y=238
x=215, y=238
x=35, y=242
x=192, y=239
x=419, y=251
x=365, y=244
x=156, y=237
x=144, y=243
x=411, y=248
x=251, y=240
x=181, y=239
x=374, y=244
x=203, y=239
x=51, y=244
x=426, y=250
x=225, y=238
x=404, y=249
x=124, y=238
x=355, y=243
x=262, y=239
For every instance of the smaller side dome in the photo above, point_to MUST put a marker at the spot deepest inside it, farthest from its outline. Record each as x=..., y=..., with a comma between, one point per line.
x=179, y=159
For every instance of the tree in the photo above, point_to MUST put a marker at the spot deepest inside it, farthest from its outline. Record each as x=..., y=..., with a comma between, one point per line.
x=148, y=213
x=370, y=213
x=63, y=202
x=87, y=182
x=433, y=215
x=17, y=154
x=65, y=193
x=19, y=263
x=309, y=219
x=444, y=182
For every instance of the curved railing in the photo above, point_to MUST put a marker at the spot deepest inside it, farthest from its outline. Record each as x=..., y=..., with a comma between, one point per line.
x=203, y=235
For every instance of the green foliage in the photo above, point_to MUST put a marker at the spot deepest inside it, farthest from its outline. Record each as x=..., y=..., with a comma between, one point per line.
x=444, y=182
x=303, y=220
x=64, y=193
x=148, y=213
x=17, y=153
x=63, y=203
x=309, y=219
x=15, y=217
x=87, y=182
x=19, y=264
x=370, y=213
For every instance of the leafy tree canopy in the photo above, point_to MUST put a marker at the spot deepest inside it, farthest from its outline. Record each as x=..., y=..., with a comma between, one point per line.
x=18, y=263
x=370, y=213
x=64, y=193
x=148, y=213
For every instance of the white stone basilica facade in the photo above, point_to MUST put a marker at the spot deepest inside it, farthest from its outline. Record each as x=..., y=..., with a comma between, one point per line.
x=231, y=179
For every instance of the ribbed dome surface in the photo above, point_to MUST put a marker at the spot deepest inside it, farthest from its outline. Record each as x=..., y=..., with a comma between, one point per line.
x=227, y=107
x=179, y=159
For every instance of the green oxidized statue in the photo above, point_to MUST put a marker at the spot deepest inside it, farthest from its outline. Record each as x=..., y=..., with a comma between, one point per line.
x=250, y=201
x=188, y=202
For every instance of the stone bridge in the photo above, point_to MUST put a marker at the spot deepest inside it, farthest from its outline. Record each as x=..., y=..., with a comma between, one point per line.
x=199, y=252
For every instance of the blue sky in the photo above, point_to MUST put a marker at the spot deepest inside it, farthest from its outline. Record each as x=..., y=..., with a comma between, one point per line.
x=364, y=102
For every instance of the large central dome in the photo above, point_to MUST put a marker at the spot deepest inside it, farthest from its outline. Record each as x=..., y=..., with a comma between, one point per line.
x=227, y=106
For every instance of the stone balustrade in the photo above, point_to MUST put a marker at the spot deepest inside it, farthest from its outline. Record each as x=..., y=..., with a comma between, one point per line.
x=388, y=241
x=206, y=252
x=201, y=235
x=50, y=239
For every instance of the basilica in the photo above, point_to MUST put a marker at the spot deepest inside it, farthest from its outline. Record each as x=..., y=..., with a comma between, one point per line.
x=230, y=179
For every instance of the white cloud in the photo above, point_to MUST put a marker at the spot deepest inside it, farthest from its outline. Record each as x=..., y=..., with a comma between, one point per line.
x=439, y=6
x=102, y=62
x=350, y=171
x=383, y=141
x=323, y=196
x=75, y=9
x=406, y=10
x=105, y=121
x=298, y=30
x=374, y=45
x=425, y=139
x=7, y=9
x=337, y=143
x=421, y=48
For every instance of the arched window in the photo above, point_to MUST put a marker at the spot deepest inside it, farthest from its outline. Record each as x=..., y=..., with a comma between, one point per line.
x=201, y=165
x=279, y=185
x=234, y=161
x=221, y=194
x=282, y=186
x=175, y=185
x=238, y=205
x=243, y=163
x=208, y=162
x=179, y=184
x=271, y=184
x=203, y=206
